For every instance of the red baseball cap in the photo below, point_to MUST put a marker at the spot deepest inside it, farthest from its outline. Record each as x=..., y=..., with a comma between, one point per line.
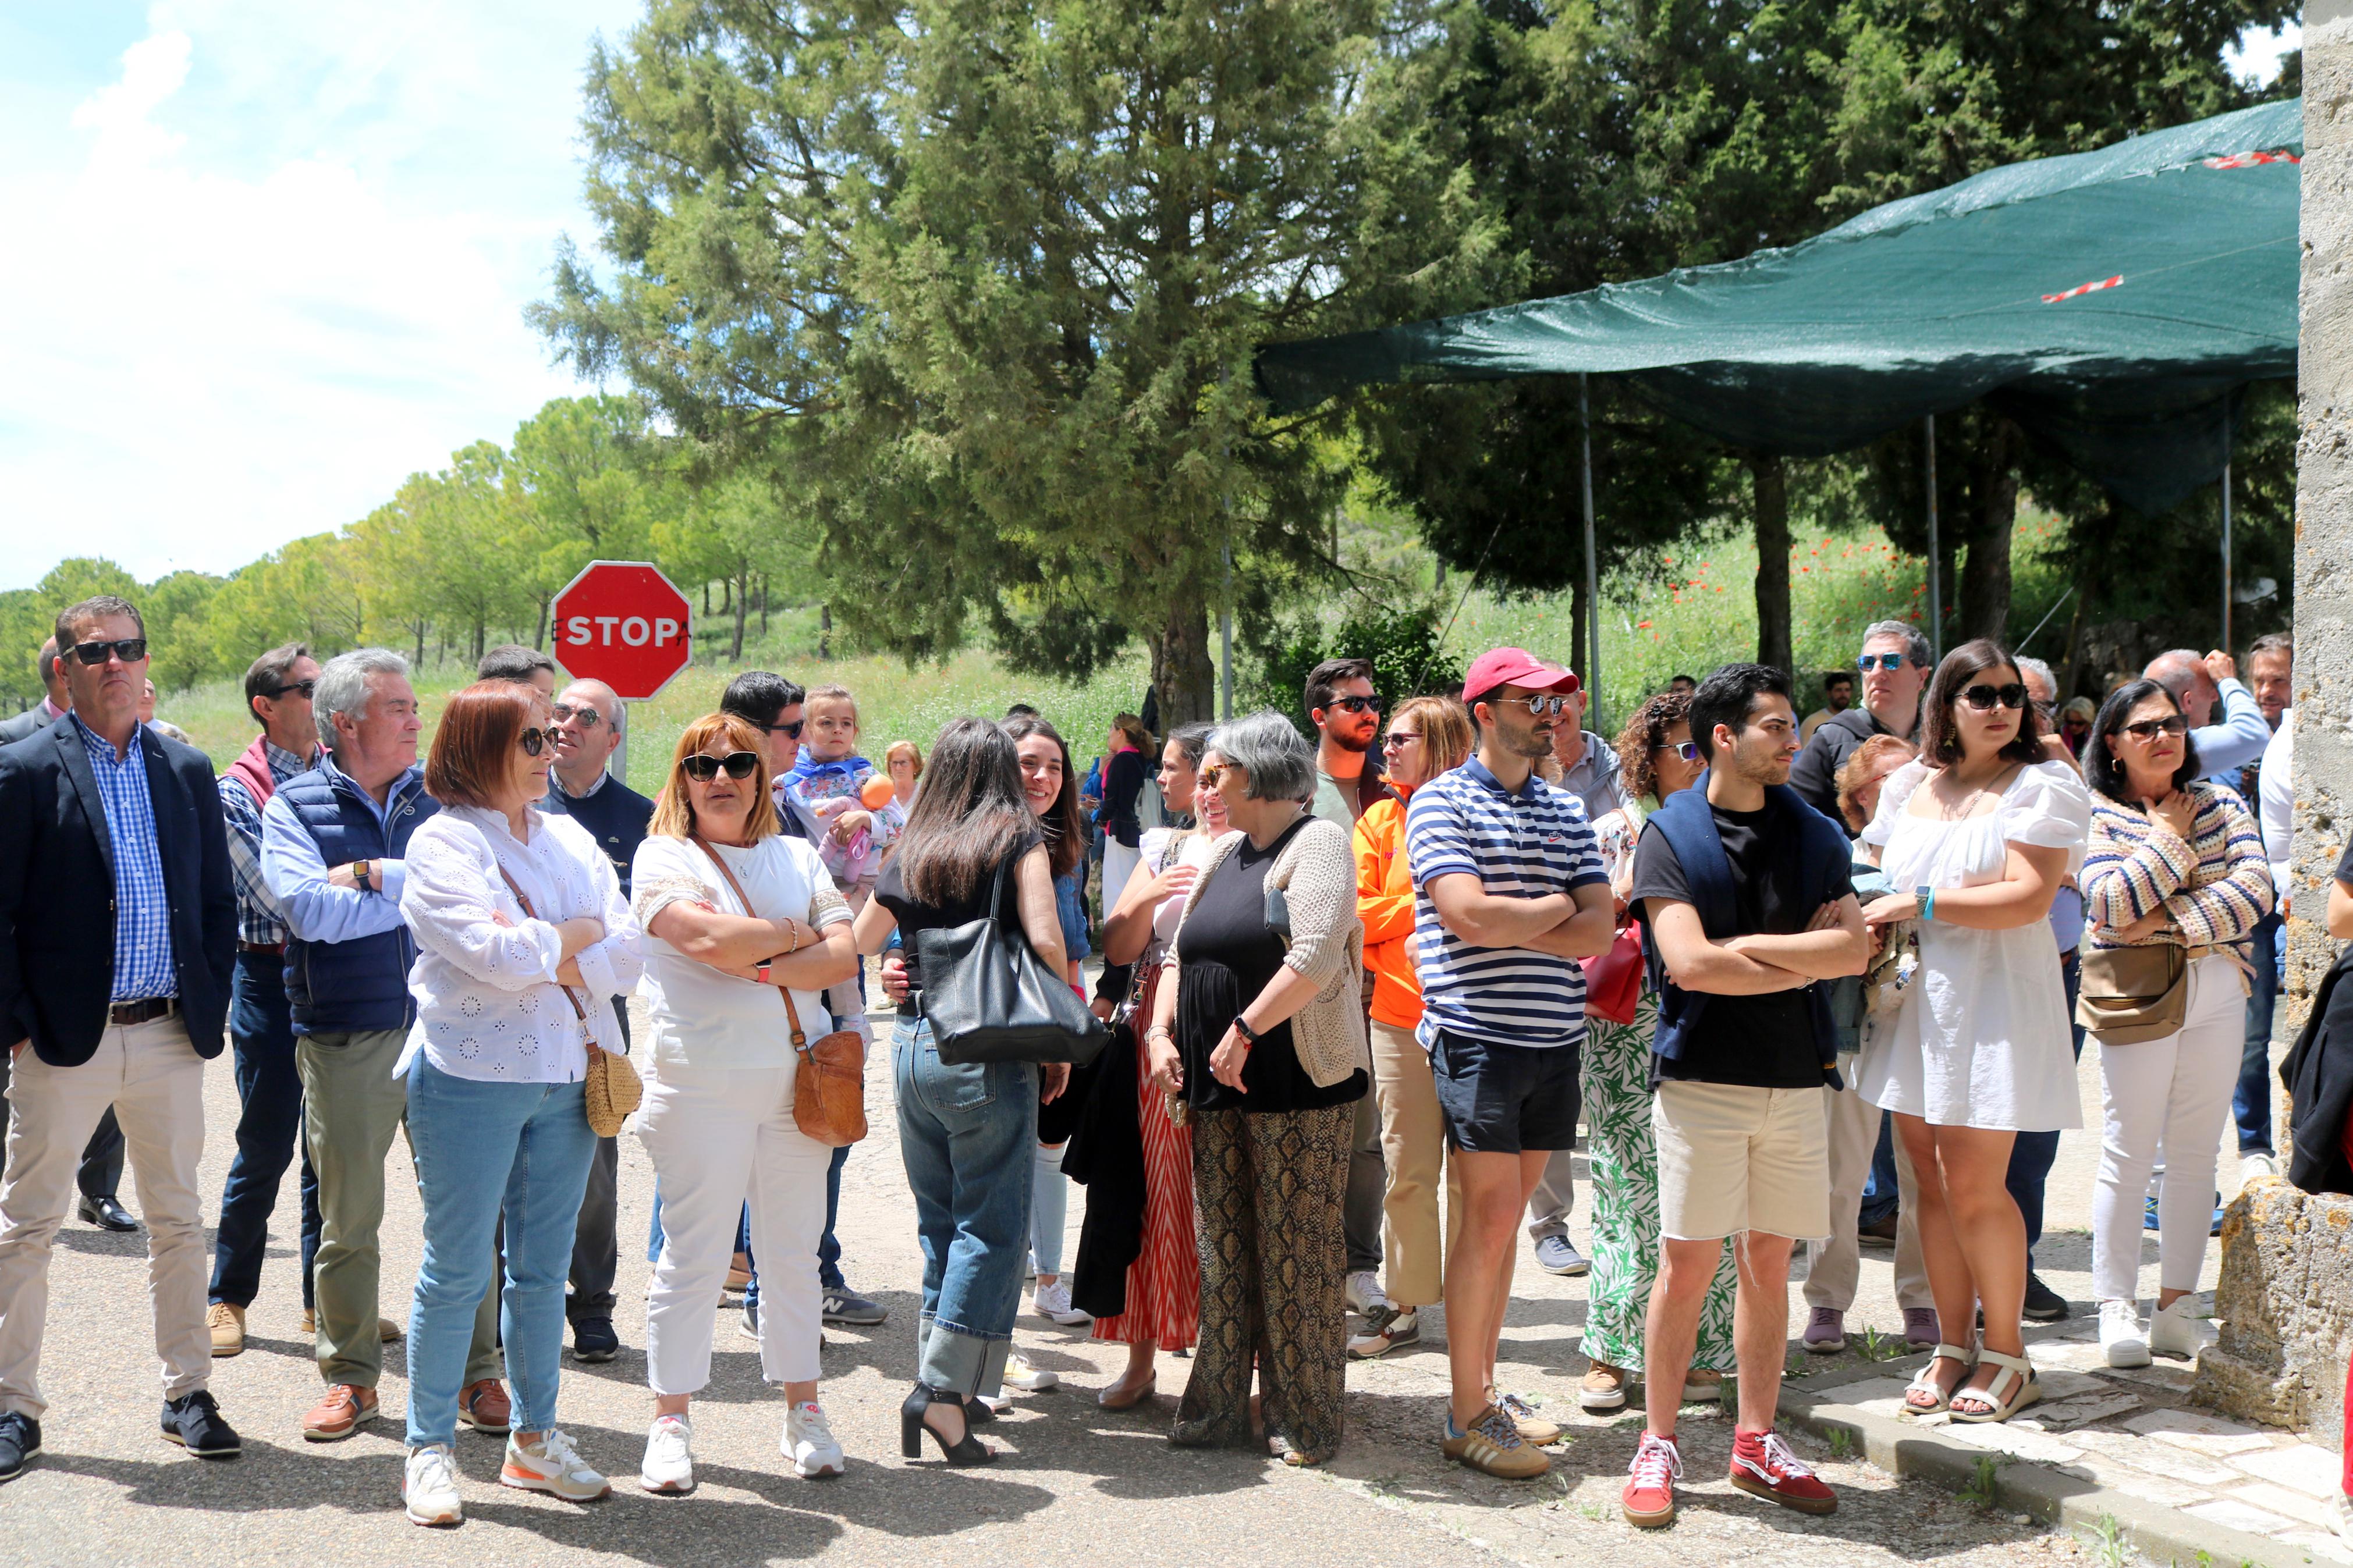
x=1513, y=667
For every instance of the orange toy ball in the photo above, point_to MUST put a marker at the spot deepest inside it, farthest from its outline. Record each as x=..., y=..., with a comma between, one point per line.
x=878, y=792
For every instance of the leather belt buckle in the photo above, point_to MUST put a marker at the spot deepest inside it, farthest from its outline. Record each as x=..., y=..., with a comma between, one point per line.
x=275, y=949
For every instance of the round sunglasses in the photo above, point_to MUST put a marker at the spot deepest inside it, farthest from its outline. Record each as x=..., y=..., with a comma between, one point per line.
x=534, y=741
x=702, y=767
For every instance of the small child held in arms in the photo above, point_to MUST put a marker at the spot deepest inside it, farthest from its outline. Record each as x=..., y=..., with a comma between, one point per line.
x=828, y=791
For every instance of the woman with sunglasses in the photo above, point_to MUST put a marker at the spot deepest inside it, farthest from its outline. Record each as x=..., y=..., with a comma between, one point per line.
x=737, y=917
x=523, y=940
x=1657, y=758
x=1978, y=833
x=2175, y=863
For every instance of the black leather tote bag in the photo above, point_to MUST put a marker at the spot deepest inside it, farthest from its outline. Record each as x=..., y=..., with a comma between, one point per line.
x=988, y=999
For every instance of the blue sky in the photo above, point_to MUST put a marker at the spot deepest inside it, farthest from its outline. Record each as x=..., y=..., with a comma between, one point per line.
x=271, y=256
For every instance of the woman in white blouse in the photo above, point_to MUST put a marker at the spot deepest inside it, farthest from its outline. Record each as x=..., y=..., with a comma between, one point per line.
x=522, y=938
x=718, y=1116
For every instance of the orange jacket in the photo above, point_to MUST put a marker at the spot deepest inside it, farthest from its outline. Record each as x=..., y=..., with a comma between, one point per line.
x=1385, y=903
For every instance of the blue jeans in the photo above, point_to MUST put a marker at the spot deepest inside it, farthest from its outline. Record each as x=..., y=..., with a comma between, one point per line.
x=1880, y=1196
x=2250, y=1105
x=484, y=1149
x=968, y=1136
x=2030, y=1153
x=268, y=1126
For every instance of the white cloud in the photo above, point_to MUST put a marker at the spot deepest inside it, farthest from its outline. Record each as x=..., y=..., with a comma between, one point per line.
x=282, y=266
x=2255, y=57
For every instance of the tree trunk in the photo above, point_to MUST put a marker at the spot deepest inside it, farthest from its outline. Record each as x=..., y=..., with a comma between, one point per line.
x=1985, y=584
x=742, y=601
x=419, y=660
x=539, y=632
x=482, y=631
x=764, y=606
x=825, y=631
x=1182, y=675
x=1771, y=483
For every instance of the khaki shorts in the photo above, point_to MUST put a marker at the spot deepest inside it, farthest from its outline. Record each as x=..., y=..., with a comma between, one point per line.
x=1731, y=1159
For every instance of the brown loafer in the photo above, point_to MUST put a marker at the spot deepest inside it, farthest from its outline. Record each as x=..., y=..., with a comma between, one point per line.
x=339, y=1413
x=485, y=1406
x=386, y=1329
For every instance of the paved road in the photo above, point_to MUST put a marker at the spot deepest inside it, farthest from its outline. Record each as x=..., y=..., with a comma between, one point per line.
x=1074, y=1481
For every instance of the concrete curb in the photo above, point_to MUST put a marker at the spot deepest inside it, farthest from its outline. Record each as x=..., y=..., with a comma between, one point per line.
x=2048, y=1494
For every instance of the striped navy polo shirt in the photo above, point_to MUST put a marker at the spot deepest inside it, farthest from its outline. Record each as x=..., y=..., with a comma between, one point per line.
x=1520, y=844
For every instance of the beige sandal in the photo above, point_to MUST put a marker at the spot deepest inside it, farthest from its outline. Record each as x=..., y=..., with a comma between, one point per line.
x=1925, y=1381
x=2025, y=1390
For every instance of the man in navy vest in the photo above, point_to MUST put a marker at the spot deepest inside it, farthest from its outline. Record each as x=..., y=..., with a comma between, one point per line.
x=1747, y=900
x=332, y=843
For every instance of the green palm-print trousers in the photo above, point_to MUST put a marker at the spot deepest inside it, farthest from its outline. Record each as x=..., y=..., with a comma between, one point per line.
x=1623, y=1161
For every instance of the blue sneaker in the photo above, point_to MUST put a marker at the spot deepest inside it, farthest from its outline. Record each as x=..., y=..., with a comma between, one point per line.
x=2148, y=1213
x=1556, y=1256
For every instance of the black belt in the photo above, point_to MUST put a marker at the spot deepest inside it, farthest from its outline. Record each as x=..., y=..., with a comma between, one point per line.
x=146, y=1010
x=275, y=949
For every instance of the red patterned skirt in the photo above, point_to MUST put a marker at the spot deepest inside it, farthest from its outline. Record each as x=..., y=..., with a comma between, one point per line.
x=1164, y=1283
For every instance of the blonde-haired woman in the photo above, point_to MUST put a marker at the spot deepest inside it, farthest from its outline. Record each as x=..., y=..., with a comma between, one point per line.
x=904, y=761
x=1426, y=736
x=743, y=931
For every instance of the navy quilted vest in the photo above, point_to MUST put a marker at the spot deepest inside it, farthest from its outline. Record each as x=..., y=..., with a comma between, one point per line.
x=337, y=987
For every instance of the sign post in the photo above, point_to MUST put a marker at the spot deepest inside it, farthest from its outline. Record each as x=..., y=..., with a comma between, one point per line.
x=625, y=624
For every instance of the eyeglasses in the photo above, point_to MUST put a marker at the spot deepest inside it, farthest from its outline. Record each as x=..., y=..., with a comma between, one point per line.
x=1687, y=749
x=1888, y=661
x=301, y=688
x=2150, y=729
x=564, y=711
x=1355, y=704
x=533, y=741
x=791, y=731
x=1985, y=699
x=1396, y=738
x=130, y=650
x=1538, y=706
x=702, y=767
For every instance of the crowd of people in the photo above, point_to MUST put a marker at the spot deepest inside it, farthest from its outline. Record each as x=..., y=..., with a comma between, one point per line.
x=1800, y=982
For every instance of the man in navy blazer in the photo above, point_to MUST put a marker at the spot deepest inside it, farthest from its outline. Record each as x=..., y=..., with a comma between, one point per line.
x=118, y=931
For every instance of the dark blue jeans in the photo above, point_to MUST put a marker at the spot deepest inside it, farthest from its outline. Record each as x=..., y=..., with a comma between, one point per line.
x=2251, y=1104
x=1878, y=1194
x=2032, y=1154
x=268, y=1126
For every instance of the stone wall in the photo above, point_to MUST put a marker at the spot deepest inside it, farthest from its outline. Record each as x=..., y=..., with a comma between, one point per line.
x=2285, y=1306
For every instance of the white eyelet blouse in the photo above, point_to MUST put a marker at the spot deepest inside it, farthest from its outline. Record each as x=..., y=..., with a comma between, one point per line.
x=487, y=1005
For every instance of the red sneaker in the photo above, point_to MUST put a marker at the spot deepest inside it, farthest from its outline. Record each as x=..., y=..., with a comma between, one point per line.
x=1763, y=1466
x=1649, y=1499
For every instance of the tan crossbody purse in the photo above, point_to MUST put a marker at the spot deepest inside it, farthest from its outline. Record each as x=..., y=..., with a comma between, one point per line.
x=613, y=1087
x=828, y=1076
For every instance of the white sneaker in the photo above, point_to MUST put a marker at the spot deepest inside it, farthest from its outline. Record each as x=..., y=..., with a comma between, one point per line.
x=2257, y=1167
x=809, y=1443
x=1053, y=1301
x=430, y=1487
x=1020, y=1374
x=669, y=1464
x=1365, y=1293
x=551, y=1465
x=2178, y=1330
x=2120, y=1334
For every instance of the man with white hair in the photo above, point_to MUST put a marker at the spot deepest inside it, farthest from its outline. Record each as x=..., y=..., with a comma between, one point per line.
x=2226, y=742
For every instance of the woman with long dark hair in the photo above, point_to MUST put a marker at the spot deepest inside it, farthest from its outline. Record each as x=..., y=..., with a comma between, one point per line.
x=2174, y=864
x=965, y=1130
x=1981, y=831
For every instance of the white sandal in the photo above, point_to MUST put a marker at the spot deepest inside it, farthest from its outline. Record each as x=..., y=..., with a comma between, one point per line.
x=2025, y=1392
x=1925, y=1381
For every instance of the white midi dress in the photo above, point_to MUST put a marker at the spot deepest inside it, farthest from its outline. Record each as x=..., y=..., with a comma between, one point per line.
x=1981, y=1038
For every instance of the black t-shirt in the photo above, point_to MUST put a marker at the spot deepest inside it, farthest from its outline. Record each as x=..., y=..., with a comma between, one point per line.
x=890, y=891
x=1763, y=1042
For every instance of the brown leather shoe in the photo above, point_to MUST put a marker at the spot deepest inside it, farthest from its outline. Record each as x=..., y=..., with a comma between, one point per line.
x=310, y=1320
x=339, y=1413
x=485, y=1406
x=227, y=1322
x=386, y=1329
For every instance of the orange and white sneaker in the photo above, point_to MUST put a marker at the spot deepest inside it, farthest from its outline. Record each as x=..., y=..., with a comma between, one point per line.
x=1649, y=1499
x=1764, y=1465
x=551, y=1465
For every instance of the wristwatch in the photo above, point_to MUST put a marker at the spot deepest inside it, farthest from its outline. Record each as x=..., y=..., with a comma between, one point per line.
x=1926, y=897
x=760, y=971
x=1241, y=1027
x=363, y=874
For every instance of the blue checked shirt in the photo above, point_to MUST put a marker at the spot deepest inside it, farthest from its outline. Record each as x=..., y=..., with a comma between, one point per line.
x=143, y=905
x=261, y=919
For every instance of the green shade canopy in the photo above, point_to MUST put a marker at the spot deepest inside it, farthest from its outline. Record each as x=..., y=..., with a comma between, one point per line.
x=2108, y=301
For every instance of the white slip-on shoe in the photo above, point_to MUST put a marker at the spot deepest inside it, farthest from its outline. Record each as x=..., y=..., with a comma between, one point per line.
x=668, y=1466
x=2178, y=1330
x=551, y=1465
x=2121, y=1339
x=429, y=1487
x=810, y=1443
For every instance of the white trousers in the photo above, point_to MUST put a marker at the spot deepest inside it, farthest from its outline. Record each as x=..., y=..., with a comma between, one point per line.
x=2172, y=1093
x=1833, y=1266
x=714, y=1134
x=1119, y=863
x=155, y=1081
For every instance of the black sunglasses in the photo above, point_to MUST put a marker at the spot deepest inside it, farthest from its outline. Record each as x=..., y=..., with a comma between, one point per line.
x=791, y=731
x=533, y=741
x=702, y=767
x=130, y=650
x=2150, y=729
x=1985, y=699
x=1357, y=704
x=301, y=688
x=589, y=718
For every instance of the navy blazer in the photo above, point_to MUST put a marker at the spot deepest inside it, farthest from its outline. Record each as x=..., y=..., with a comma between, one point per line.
x=57, y=892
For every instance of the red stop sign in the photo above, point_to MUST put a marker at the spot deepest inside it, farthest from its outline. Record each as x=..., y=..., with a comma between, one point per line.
x=625, y=624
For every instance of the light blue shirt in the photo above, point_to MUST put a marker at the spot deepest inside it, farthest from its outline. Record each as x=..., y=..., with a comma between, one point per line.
x=317, y=909
x=142, y=904
x=2240, y=739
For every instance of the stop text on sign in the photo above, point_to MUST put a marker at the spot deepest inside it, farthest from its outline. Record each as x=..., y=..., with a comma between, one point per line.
x=625, y=624
x=629, y=631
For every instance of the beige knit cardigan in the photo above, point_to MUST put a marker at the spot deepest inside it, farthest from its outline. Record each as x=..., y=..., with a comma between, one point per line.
x=1317, y=873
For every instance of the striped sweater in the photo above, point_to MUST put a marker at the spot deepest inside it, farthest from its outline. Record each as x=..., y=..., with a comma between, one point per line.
x=2215, y=887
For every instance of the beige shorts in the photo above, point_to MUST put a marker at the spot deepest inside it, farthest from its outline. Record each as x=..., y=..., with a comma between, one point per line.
x=1732, y=1158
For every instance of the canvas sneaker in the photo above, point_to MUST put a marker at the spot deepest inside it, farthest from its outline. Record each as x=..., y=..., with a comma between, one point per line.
x=668, y=1466
x=1053, y=1302
x=1648, y=1501
x=1020, y=1374
x=1493, y=1445
x=810, y=1443
x=429, y=1487
x=1764, y=1465
x=551, y=1465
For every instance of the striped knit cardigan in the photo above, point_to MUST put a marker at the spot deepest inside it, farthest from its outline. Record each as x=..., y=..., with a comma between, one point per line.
x=2215, y=886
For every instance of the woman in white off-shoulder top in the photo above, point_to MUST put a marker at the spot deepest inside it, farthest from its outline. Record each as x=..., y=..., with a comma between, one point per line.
x=1977, y=834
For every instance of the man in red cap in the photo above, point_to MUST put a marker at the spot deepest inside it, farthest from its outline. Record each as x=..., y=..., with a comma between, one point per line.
x=1509, y=893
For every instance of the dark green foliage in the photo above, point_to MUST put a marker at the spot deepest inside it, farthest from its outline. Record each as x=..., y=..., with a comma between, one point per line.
x=1409, y=656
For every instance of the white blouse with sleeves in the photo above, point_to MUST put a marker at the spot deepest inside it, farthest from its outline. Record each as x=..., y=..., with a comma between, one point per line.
x=1981, y=1038
x=702, y=1018
x=488, y=1004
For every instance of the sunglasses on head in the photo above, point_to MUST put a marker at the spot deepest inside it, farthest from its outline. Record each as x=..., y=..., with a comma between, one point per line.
x=302, y=688
x=1357, y=704
x=1870, y=661
x=1985, y=699
x=533, y=741
x=791, y=731
x=702, y=767
x=130, y=650
x=1687, y=749
x=588, y=717
x=2150, y=729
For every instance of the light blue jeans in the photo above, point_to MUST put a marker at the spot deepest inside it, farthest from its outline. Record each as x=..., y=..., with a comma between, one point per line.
x=968, y=1136
x=481, y=1148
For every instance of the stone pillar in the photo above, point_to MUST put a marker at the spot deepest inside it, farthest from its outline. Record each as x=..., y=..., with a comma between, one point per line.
x=2286, y=1300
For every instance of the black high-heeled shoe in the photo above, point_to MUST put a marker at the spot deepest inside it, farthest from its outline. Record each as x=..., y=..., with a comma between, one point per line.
x=965, y=1450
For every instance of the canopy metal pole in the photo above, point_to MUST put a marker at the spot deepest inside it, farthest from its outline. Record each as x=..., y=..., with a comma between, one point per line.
x=1225, y=640
x=2226, y=522
x=1592, y=561
x=1936, y=583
